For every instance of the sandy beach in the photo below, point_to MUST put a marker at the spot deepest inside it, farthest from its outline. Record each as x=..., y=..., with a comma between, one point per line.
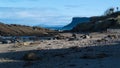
x=82, y=53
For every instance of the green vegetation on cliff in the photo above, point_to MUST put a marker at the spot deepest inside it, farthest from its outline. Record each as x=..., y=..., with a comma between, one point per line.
x=99, y=23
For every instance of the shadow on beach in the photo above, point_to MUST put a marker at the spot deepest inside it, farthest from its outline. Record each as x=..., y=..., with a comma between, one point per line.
x=74, y=57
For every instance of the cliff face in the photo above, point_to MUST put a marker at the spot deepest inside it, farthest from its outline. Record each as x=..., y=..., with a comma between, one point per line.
x=75, y=21
x=99, y=23
x=21, y=30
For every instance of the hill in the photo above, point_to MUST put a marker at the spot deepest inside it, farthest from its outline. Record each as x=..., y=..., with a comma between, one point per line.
x=21, y=30
x=99, y=23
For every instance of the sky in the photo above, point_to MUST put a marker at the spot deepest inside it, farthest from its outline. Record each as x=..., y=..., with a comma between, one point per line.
x=51, y=12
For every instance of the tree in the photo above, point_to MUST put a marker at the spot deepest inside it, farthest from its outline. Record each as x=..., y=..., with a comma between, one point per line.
x=117, y=8
x=109, y=11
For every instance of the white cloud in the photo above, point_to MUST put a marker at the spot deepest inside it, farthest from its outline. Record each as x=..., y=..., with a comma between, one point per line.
x=35, y=16
x=24, y=14
x=17, y=0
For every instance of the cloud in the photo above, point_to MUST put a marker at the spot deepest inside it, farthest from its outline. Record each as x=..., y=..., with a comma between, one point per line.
x=72, y=6
x=32, y=16
x=26, y=12
x=17, y=0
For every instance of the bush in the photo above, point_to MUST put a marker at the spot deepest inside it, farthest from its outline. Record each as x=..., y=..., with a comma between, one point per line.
x=109, y=11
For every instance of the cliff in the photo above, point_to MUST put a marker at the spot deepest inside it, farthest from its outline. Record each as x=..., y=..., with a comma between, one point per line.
x=75, y=21
x=99, y=23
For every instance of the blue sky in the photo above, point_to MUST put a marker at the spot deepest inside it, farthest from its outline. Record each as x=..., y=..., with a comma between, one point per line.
x=51, y=12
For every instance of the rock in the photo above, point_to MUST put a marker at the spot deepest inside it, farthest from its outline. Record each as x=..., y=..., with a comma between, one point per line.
x=74, y=35
x=72, y=39
x=30, y=57
x=102, y=40
x=6, y=41
x=26, y=43
x=59, y=37
x=112, y=36
x=74, y=47
x=85, y=36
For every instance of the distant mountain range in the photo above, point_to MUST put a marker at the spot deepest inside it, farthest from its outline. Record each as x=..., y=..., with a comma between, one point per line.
x=76, y=21
x=53, y=27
